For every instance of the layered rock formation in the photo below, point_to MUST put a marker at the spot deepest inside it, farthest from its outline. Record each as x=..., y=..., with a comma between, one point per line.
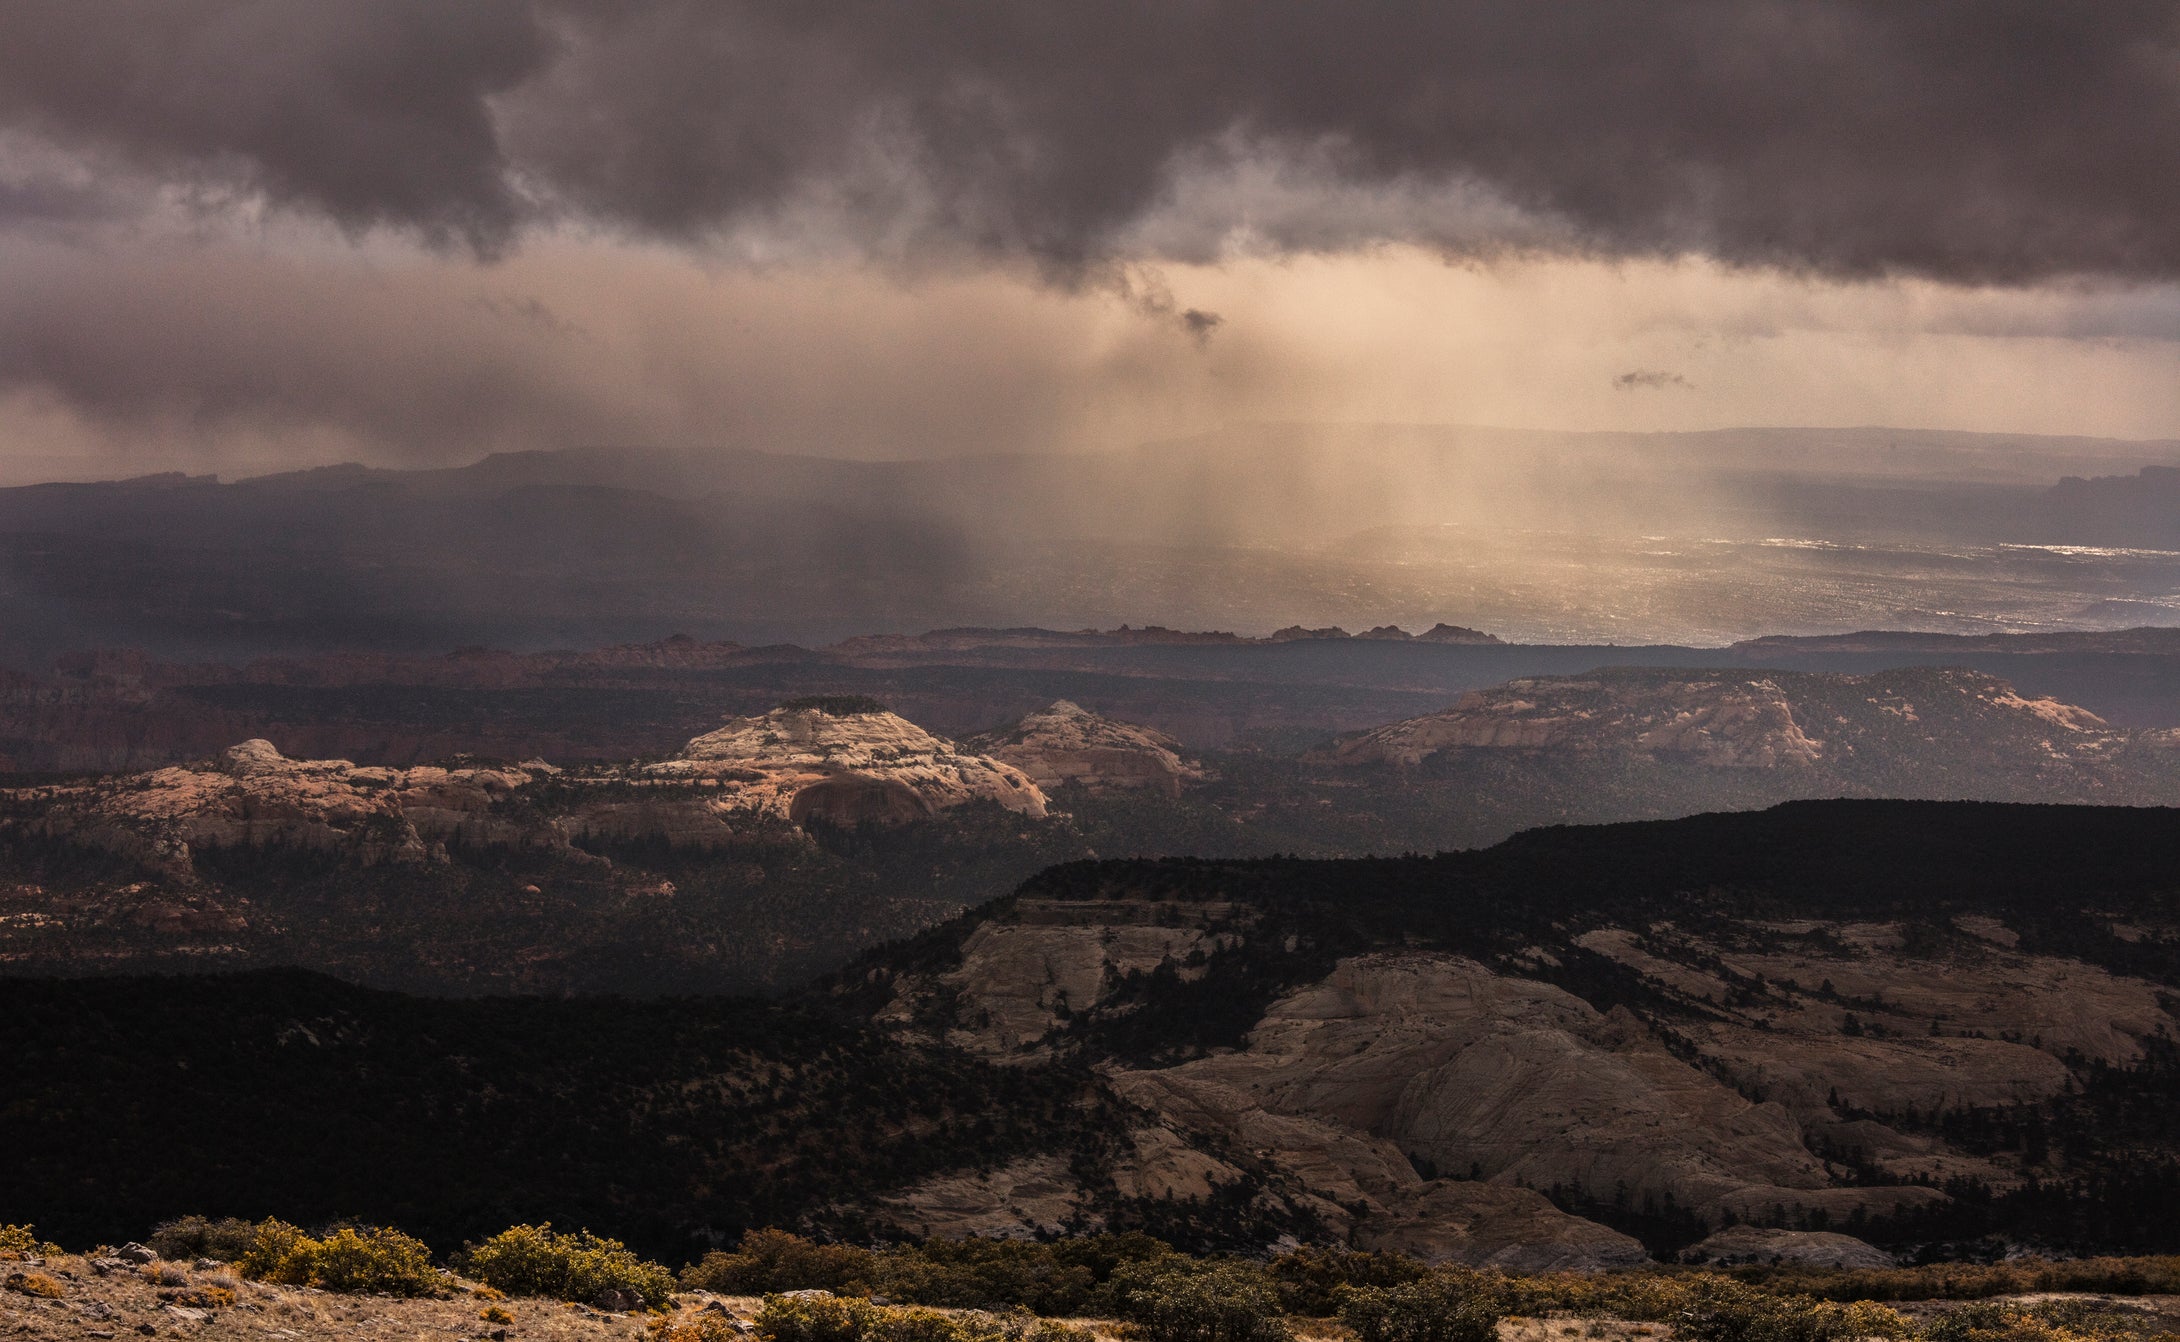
x=1067, y=744
x=844, y=761
x=253, y=796
x=1746, y=720
x=1419, y=1099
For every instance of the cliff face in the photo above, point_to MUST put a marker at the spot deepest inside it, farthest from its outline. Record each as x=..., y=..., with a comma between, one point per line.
x=1067, y=744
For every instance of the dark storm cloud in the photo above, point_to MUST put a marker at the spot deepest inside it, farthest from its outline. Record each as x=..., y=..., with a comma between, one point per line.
x=370, y=111
x=1971, y=140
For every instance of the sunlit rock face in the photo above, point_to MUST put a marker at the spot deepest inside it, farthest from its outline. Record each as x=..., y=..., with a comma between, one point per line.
x=1744, y=725
x=1068, y=744
x=844, y=762
x=1757, y=720
x=253, y=796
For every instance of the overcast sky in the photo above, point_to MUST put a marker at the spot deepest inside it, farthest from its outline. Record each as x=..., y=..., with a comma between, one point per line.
x=241, y=232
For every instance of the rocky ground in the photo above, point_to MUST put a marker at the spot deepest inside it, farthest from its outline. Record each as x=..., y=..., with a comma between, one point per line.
x=102, y=1297
x=91, y=1296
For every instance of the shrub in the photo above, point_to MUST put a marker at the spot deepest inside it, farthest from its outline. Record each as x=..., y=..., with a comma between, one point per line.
x=1069, y=1276
x=534, y=1260
x=22, y=1242
x=375, y=1260
x=200, y=1297
x=1970, y=1281
x=2044, y=1321
x=706, y=1326
x=1315, y=1281
x=1201, y=1302
x=1718, y=1309
x=494, y=1314
x=770, y=1261
x=814, y=1317
x=35, y=1283
x=1446, y=1306
x=191, y=1237
x=916, y=1323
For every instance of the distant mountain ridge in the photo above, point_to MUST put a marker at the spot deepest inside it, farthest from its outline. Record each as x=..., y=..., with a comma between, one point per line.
x=1258, y=526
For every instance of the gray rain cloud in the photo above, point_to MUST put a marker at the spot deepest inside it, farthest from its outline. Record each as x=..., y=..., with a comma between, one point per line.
x=2002, y=141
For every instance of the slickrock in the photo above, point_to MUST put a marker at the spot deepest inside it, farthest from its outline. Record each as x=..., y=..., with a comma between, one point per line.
x=252, y=795
x=1519, y=1082
x=1744, y=1244
x=844, y=762
x=1018, y=979
x=1068, y=744
x=1346, y=1173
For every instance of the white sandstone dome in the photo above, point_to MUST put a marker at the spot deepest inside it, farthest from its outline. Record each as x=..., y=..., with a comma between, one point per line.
x=845, y=760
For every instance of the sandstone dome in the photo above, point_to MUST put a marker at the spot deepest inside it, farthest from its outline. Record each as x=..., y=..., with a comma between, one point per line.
x=845, y=761
x=1067, y=743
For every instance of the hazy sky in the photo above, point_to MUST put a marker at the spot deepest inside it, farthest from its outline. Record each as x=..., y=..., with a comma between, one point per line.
x=239, y=232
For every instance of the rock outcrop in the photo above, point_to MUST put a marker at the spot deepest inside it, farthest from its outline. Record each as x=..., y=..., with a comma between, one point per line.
x=1067, y=744
x=1416, y=1098
x=845, y=762
x=1746, y=724
x=253, y=796
x=1736, y=1246
x=1757, y=720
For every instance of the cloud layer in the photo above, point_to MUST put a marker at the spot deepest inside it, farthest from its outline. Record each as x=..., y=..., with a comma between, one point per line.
x=1964, y=140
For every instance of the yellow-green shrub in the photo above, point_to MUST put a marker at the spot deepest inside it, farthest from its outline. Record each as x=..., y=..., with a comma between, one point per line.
x=1201, y=1302
x=1315, y=1281
x=814, y=1317
x=1719, y=1309
x=22, y=1242
x=702, y=1327
x=376, y=1260
x=35, y=1283
x=1450, y=1306
x=535, y=1260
